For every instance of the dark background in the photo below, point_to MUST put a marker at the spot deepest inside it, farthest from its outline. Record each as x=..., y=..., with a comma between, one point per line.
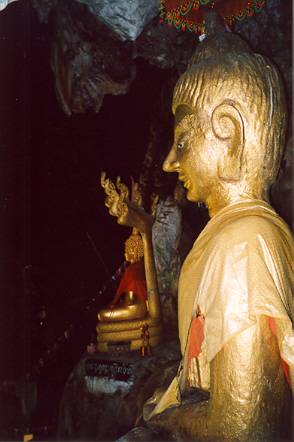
x=58, y=243
x=50, y=196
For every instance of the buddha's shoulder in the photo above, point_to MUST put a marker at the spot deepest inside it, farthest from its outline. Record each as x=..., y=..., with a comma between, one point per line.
x=251, y=227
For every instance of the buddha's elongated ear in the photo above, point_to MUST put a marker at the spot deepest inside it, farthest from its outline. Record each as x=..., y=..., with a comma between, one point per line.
x=228, y=126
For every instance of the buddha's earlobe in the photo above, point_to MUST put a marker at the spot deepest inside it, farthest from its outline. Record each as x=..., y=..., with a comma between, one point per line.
x=228, y=126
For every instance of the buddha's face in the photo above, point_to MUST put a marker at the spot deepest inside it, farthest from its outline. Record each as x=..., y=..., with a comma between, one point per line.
x=194, y=154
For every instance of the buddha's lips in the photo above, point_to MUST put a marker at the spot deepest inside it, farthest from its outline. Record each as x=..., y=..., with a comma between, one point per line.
x=185, y=181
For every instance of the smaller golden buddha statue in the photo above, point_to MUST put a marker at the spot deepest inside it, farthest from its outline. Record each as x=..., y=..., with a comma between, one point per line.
x=131, y=295
x=136, y=303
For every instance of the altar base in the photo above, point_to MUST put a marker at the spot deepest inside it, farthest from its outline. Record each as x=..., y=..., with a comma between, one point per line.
x=104, y=394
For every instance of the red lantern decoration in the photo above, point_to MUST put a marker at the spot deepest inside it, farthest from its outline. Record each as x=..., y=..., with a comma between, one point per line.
x=190, y=14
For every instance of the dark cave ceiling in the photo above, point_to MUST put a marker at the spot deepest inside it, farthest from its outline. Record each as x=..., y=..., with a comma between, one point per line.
x=95, y=44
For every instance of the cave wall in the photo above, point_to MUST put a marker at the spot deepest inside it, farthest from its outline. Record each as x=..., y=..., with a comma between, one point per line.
x=106, y=37
x=94, y=48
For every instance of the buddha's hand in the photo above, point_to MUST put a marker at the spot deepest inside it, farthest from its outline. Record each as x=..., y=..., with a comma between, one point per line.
x=129, y=212
x=135, y=216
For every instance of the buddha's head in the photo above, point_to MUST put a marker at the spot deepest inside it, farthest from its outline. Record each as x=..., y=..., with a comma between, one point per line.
x=230, y=120
x=134, y=247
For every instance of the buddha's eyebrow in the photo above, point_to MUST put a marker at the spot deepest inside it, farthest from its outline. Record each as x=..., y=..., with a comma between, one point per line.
x=182, y=111
x=185, y=122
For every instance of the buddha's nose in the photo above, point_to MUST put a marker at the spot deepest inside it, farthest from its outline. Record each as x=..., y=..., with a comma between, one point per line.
x=171, y=163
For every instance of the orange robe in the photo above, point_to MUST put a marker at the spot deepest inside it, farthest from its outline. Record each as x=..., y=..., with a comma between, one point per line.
x=240, y=267
x=133, y=280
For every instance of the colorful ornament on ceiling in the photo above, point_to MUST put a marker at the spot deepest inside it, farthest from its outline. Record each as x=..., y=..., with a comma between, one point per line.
x=190, y=14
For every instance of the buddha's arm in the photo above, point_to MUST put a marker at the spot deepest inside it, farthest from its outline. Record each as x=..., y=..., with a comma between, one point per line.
x=246, y=386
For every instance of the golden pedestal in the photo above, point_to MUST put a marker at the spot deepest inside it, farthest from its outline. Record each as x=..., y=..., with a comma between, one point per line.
x=128, y=332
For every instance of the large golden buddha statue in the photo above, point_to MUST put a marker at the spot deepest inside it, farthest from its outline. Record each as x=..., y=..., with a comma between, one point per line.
x=136, y=305
x=235, y=289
